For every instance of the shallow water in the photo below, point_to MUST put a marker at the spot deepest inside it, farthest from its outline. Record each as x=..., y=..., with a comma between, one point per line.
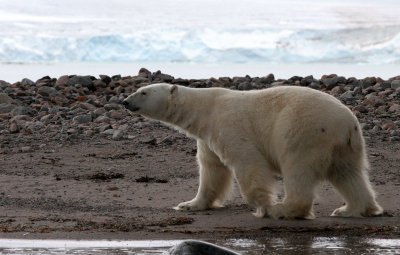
x=292, y=245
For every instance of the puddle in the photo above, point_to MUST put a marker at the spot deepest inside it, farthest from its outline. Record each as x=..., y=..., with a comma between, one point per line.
x=21, y=246
x=290, y=245
x=315, y=245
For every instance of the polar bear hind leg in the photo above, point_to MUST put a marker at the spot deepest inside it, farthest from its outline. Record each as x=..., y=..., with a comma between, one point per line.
x=350, y=178
x=300, y=178
x=215, y=181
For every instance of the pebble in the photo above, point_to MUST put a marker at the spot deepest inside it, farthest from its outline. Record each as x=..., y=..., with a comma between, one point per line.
x=118, y=134
x=6, y=107
x=13, y=128
x=395, y=84
x=81, y=119
x=26, y=149
x=5, y=99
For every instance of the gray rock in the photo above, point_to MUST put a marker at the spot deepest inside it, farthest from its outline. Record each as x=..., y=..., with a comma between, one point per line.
x=365, y=84
x=108, y=132
x=102, y=119
x=385, y=85
x=22, y=110
x=395, y=84
x=332, y=82
x=115, y=100
x=118, y=134
x=315, y=85
x=83, y=118
x=5, y=99
x=112, y=106
x=27, y=82
x=347, y=95
x=46, y=91
x=395, y=133
x=6, y=108
x=85, y=81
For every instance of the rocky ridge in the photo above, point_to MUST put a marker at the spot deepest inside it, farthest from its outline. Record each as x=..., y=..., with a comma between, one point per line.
x=84, y=107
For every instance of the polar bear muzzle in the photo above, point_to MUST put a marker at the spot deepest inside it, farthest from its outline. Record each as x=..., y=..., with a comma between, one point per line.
x=130, y=107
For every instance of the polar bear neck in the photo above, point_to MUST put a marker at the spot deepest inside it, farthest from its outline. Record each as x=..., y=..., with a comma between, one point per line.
x=187, y=108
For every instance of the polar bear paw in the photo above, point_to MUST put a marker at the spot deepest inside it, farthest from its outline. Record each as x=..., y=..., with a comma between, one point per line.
x=282, y=211
x=192, y=205
x=261, y=212
x=344, y=211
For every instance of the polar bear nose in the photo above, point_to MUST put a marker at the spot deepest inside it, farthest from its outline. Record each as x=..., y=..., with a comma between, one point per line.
x=125, y=103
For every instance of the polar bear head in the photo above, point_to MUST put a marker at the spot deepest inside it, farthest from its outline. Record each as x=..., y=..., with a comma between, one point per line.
x=151, y=101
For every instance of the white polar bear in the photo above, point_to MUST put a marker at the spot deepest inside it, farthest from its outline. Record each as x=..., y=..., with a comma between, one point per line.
x=305, y=135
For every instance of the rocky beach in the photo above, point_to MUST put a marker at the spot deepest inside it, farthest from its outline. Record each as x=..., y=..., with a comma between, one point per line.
x=74, y=163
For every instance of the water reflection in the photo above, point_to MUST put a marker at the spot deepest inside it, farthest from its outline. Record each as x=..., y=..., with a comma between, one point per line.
x=303, y=244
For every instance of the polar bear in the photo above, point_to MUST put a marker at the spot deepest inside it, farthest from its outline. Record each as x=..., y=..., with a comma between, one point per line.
x=305, y=135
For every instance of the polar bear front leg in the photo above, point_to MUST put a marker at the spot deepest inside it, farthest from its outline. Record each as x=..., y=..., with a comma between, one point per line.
x=215, y=181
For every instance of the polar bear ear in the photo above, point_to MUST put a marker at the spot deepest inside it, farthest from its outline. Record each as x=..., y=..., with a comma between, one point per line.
x=173, y=90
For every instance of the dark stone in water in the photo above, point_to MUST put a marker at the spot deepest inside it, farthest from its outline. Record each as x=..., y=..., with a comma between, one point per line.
x=193, y=247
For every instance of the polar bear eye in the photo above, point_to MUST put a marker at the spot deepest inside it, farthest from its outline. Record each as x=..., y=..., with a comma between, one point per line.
x=143, y=93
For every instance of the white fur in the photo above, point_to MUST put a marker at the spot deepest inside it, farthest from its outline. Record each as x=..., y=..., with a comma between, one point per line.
x=305, y=135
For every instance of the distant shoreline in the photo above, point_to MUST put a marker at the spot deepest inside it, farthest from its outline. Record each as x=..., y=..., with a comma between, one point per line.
x=13, y=72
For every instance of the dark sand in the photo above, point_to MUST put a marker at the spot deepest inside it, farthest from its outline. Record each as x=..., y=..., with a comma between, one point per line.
x=105, y=189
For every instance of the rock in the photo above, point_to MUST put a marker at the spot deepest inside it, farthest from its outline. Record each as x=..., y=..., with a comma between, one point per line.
x=13, y=128
x=118, y=134
x=361, y=109
x=100, y=83
x=193, y=247
x=267, y=79
x=5, y=99
x=245, y=86
x=385, y=85
x=62, y=80
x=116, y=77
x=108, y=132
x=7, y=108
x=113, y=106
x=373, y=100
x=83, y=118
x=102, y=119
x=394, y=108
x=365, y=84
x=395, y=84
x=26, y=149
x=85, y=81
x=86, y=106
x=105, y=79
x=388, y=125
x=380, y=110
x=334, y=81
x=347, y=95
x=22, y=110
x=114, y=114
x=46, y=91
x=395, y=133
x=89, y=133
x=115, y=100
x=143, y=72
x=26, y=82
x=72, y=131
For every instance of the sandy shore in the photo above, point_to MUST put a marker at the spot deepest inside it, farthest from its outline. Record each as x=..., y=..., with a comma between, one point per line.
x=62, y=181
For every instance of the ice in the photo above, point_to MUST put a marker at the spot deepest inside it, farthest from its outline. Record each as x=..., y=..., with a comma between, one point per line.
x=200, y=31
